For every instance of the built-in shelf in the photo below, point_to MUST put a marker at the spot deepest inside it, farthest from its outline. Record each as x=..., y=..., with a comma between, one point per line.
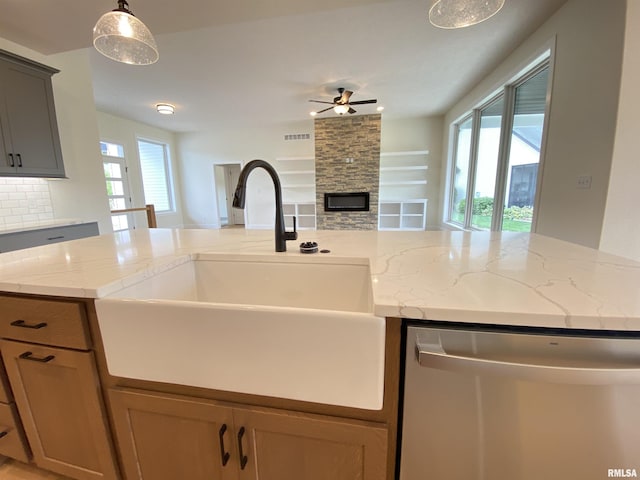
x=403, y=190
x=298, y=179
x=305, y=214
x=402, y=214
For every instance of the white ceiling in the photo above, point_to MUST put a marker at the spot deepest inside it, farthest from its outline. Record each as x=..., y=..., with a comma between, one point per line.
x=249, y=62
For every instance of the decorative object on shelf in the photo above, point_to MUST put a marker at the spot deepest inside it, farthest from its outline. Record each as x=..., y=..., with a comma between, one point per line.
x=462, y=13
x=341, y=103
x=120, y=36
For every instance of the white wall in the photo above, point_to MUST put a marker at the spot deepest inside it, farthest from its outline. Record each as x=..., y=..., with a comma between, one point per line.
x=83, y=194
x=589, y=38
x=621, y=229
x=413, y=134
x=126, y=132
x=199, y=151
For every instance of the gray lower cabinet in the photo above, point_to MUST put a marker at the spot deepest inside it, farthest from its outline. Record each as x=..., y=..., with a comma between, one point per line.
x=44, y=236
x=29, y=139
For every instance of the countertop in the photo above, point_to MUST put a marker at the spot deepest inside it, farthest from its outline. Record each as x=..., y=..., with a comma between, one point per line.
x=39, y=225
x=479, y=277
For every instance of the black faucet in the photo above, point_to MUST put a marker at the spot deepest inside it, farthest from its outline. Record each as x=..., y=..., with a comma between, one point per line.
x=241, y=191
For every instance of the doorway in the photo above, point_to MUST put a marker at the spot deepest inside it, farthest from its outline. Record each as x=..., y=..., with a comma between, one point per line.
x=226, y=178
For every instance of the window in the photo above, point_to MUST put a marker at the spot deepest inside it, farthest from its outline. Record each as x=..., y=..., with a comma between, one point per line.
x=115, y=174
x=154, y=165
x=497, y=149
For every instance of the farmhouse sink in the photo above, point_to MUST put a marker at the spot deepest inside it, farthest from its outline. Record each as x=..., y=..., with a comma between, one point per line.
x=289, y=327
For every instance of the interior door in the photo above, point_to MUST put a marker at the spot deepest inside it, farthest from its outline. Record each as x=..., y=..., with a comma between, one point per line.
x=232, y=174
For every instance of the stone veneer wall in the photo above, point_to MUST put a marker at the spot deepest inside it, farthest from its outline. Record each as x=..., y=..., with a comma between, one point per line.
x=337, y=140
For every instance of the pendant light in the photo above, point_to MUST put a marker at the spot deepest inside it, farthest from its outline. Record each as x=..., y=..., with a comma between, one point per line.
x=462, y=13
x=120, y=36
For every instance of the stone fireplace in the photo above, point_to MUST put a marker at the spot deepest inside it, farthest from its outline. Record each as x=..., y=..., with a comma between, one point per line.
x=347, y=158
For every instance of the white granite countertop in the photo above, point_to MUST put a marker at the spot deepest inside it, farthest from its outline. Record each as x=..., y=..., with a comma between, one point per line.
x=496, y=278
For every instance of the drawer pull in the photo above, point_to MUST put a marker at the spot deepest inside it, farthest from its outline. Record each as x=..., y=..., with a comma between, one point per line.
x=55, y=238
x=243, y=458
x=223, y=453
x=29, y=356
x=4, y=433
x=22, y=324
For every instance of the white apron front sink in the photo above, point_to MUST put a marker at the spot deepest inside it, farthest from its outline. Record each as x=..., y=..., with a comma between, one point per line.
x=285, y=327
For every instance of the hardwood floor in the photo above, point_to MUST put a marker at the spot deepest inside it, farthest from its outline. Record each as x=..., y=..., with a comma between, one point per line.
x=13, y=470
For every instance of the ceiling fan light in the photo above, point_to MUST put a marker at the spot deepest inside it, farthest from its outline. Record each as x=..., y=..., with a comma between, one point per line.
x=120, y=36
x=462, y=13
x=341, y=109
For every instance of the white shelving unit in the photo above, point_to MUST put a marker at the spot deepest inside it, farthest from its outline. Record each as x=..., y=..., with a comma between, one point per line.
x=402, y=214
x=403, y=190
x=298, y=179
x=305, y=214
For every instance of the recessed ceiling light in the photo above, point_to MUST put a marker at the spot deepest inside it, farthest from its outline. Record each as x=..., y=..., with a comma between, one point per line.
x=313, y=114
x=380, y=108
x=165, y=108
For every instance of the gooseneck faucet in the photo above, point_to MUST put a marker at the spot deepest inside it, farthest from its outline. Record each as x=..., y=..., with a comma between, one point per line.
x=241, y=192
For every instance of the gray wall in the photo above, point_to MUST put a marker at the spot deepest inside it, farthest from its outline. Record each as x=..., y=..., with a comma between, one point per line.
x=589, y=41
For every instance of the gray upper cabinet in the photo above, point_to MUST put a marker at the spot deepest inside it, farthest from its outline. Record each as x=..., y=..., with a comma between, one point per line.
x=29, y=144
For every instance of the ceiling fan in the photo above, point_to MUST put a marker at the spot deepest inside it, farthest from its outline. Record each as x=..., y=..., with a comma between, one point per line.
x=341, y=103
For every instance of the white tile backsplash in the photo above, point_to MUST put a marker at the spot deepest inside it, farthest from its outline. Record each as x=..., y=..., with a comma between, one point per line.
x=24, y=200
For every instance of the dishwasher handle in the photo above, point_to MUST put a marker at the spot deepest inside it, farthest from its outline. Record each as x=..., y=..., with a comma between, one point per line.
x=433, y=355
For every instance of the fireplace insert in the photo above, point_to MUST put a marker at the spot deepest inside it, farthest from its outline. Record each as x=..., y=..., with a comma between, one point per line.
x=346, y=202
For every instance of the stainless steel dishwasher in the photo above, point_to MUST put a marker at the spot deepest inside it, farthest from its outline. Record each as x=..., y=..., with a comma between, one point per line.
x=490, y=404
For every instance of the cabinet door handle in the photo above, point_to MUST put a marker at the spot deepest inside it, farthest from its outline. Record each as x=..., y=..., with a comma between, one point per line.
x=4, y=433
x=23, y=324
x=19, y=159
x=243, y=458
x=223, y=453
x=13, y=163
x=29, y=356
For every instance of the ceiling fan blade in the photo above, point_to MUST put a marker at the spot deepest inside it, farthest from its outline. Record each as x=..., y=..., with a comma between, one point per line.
x=324, y=110
x=351, y=110
x=322, y=101
x=363, y=102
x=344, y=98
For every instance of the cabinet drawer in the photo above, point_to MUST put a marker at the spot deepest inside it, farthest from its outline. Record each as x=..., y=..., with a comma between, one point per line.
x=45, y=236
x=12, y=442
x=47, y=322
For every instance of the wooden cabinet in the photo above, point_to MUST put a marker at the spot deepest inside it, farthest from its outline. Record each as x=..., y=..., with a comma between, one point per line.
x=30, y=143
x=12, y=440
x=169, y=436
x=56, y=390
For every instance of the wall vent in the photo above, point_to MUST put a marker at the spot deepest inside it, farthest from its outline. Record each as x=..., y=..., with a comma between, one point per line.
x=298, y=136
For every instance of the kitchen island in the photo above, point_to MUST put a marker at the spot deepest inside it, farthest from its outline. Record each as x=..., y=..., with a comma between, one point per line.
x=480, y=278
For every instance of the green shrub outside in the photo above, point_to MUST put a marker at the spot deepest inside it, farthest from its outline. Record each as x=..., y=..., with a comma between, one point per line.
x=483, y=206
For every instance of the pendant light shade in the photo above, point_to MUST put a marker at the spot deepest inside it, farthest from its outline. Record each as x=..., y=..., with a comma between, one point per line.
x=120, y=36
x=462, y=13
